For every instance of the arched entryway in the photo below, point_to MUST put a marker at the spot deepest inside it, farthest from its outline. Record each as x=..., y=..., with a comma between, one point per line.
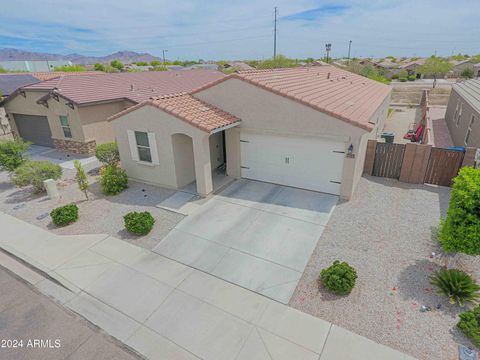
x=184, y=159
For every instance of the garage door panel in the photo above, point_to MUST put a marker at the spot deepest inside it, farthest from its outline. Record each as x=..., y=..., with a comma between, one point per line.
x=309, y=163
x=34, y=128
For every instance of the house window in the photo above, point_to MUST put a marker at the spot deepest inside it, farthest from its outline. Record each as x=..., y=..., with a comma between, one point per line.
x=65, y=126
x=458, y=113
x=469, y=130
x=143, y=146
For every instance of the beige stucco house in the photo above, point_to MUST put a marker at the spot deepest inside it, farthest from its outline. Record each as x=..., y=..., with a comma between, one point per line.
x=302, y=127
x=69, y=112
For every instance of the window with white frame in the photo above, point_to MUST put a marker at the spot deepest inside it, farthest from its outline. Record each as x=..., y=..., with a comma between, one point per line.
x=459, y=114
x=143, y=146
x=67, y=132
x=469, y=129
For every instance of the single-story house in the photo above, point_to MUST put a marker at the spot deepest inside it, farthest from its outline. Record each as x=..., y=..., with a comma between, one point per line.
x=459, y=66
x=412, y=66
x=463, y=113
x=302, y=127
x=238, y=66
x=476, y=69
x=70, y=112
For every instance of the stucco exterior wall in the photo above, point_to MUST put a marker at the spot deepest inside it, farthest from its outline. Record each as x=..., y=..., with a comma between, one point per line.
x=458, y=132
x=94, y=120
x=28, y=105
x=87, y=123
x=172, y=171
x=264, y=111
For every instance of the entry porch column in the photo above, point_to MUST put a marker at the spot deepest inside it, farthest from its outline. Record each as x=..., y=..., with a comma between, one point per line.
x=203, y=167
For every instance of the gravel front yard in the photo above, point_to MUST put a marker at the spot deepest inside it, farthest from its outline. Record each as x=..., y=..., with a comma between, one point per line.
x=385, y=233
x=101, y=214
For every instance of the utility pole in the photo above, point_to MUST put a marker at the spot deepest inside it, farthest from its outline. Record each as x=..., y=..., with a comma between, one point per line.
x=275, y=35
x=163, y=52
x=349, y=48
x=328, y=47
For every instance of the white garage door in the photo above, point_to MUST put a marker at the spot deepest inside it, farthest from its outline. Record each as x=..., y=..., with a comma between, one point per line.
x=303, y=162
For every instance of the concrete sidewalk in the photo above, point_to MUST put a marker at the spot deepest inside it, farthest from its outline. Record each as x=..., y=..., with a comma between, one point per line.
x=165, y=310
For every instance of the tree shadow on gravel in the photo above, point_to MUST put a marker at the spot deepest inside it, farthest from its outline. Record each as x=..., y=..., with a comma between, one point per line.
x=414, y=284
x=24, y=195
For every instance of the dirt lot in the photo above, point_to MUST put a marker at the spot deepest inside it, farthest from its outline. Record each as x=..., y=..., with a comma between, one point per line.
x=385, y=233
x=101, y=214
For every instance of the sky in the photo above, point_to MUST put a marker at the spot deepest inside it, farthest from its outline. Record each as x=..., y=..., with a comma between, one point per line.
x=242, y=29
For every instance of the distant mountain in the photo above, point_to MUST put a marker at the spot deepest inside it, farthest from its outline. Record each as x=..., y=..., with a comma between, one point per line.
x=9, y=54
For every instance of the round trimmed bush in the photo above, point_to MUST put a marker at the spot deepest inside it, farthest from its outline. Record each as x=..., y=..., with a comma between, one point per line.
x=107, y=153
x=402, y=79
x=339, y=278
x=139, y=223
x=64, y=215
x=113, y=180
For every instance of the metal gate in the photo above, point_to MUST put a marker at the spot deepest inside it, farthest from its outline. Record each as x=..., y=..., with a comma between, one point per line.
x=388, y=160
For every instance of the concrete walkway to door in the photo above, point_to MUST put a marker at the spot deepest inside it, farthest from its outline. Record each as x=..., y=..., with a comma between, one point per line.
x=254, y=234
x=165, y=310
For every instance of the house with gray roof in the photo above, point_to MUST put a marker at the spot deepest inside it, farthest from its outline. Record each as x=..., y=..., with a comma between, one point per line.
x=463, y=113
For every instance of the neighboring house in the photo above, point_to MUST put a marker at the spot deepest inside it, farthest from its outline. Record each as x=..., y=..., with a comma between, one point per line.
x=202, y=66
x=476, y=69
x=70, y=112
x=459, y=66
x=8, y=84
x=463, y=113
x=412, y=66
x=302, y=127
x=11, y=82
x=238, y=66
x=33, y=65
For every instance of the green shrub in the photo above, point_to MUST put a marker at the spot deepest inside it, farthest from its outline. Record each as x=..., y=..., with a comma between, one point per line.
x=35, y=173
x=470, y=324
x=113, y=180
x=402, y=79
x=12, y=154
x=411, y=78
x=460, y=231
x=395, y=76
x=139, y=223
x=107, y=153
x=458, y=286
x=64, y=215
x=468, y=73
x=339, y=278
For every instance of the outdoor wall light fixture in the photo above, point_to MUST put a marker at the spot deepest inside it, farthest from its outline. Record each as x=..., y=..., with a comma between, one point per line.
x=350, y=153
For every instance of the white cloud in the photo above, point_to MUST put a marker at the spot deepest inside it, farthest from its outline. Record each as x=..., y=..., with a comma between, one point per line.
x=214, y=29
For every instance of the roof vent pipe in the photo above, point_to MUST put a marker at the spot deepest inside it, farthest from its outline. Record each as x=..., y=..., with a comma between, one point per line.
x=328, y=76
x=131, y=87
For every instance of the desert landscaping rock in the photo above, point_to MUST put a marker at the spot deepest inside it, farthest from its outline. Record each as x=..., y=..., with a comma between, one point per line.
x=101, y=214
x=385, y=233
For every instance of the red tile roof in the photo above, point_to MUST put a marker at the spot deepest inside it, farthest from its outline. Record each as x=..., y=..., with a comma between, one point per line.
x=132, y=86
x=187, y=108
x=339, y=93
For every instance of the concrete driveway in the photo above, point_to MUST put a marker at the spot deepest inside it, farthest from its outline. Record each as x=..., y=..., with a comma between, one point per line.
x=256, y=235
x=64, y=159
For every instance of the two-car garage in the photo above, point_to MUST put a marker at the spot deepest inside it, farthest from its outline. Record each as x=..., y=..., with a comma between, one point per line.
x=305, y=162
x=34, y=128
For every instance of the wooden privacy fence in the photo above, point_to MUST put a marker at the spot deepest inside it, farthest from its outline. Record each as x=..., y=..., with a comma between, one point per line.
x=388, y=160
x=416, y=163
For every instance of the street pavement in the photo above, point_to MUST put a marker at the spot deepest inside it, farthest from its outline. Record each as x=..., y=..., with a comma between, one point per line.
x=34, y=327
x=166, y=310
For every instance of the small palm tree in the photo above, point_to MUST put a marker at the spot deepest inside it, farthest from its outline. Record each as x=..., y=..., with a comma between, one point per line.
x=458, y=286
